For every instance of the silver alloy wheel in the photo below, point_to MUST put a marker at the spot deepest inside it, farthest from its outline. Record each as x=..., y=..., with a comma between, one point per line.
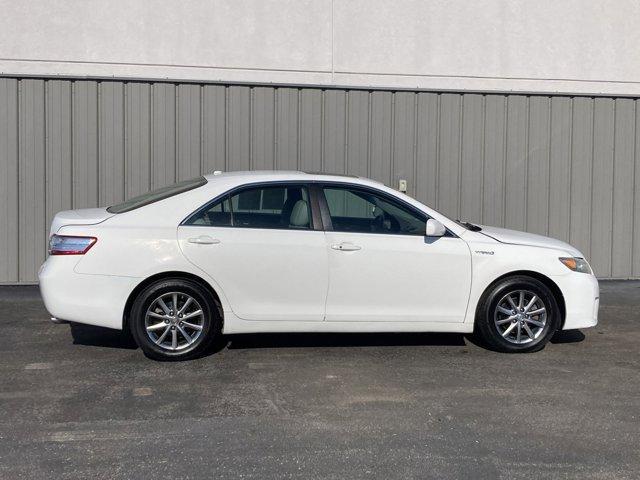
x=520, y=317
x=174, y=321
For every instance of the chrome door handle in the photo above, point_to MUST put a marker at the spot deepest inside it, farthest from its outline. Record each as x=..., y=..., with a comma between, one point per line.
x=204, y=240
x=346, y=247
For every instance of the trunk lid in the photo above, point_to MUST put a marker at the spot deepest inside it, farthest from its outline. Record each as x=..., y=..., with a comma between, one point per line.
x=83, y=216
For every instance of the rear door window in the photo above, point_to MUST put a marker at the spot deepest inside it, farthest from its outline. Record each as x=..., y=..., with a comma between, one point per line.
x=274, y=206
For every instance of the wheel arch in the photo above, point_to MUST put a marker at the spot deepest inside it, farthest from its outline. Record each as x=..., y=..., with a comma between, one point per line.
x=553, y=286
x=164, y=275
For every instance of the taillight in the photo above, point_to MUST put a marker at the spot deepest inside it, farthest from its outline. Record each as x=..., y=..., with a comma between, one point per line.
x=70, y=245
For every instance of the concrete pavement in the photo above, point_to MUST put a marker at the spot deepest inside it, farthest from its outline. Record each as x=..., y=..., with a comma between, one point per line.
x=83, y=402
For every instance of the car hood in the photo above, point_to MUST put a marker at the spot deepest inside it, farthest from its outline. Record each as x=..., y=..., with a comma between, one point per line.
x=83, y=216
x=515, y=237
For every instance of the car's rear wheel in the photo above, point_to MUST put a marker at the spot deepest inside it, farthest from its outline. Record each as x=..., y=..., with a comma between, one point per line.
x=517, y=314
x=174, y=319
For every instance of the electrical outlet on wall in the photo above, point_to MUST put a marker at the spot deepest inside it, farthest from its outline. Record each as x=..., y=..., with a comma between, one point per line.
x=402, y=185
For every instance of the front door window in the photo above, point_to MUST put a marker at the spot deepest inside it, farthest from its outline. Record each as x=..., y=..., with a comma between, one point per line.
x=360, y=211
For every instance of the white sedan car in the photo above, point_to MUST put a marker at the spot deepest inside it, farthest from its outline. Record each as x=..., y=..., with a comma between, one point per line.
x=245, y=252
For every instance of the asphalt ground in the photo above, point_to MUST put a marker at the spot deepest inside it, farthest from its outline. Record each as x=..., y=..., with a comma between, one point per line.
x=83, y=402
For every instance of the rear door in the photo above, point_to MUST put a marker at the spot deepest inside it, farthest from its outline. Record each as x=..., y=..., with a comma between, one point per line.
x=261, y=245
x=382, y=267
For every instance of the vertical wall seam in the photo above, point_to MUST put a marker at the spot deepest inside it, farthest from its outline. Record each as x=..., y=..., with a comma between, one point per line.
x=322, y=130
x=176, y=135
x=251, y=129
x=459, y=159
x=99, y=139
x=527, y=162
x=125, y=144
x=414, y=188
x=226, y=128
x=151, y=158
x=96, y=147
x=21, y=150
x=593, y=152
x=204, y=138
x=298, y=129
x=613, y=180
x=549, y=133
x=71, y=153
x=276, y=127
x=392, y=133
x=633, y=188
x=505, y=134
x=483, y=156
x=438, y=146
x=369, y=135
x=201, y=129
x=19, y=172
x=155, y=112
x=570, y=189
x=347, y=111
x=45, y=95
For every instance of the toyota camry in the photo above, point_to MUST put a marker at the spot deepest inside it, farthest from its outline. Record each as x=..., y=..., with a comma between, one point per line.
x=247, y=252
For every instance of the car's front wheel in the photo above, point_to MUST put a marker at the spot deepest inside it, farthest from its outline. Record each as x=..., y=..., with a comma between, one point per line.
x=174, y=319
x=517, y=314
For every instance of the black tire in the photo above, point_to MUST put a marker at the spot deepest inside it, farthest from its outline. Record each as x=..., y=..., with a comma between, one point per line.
x=210, y=321
x=492, y=323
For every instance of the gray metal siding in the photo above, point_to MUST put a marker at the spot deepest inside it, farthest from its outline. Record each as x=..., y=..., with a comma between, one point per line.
x=32, y=220
x=567, y=167
x=9, y=204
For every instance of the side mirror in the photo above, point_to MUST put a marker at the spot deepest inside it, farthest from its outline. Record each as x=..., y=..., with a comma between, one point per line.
x=435, y=228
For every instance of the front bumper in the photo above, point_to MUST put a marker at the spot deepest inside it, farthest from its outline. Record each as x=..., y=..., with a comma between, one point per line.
x=76, y=297
x=582, y=299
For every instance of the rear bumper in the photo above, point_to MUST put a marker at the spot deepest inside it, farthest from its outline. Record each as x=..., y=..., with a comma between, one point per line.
x=76, y=297
x=582, y=299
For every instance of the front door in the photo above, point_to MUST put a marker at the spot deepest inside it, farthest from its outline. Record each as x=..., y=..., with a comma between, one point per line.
x=382, y=267
x=260, y=246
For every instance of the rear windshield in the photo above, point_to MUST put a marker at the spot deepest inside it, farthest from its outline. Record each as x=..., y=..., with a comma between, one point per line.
x=156, y=195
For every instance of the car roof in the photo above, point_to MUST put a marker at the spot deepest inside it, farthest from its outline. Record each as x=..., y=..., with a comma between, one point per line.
x=266, y=175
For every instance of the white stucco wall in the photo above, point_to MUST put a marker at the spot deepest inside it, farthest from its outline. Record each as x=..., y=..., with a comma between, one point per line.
x=570, y=46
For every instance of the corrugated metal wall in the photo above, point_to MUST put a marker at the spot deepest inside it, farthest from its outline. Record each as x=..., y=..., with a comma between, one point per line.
x=559, y=166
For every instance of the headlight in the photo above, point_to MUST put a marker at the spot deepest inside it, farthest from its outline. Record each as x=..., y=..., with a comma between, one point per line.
x=576, y=264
